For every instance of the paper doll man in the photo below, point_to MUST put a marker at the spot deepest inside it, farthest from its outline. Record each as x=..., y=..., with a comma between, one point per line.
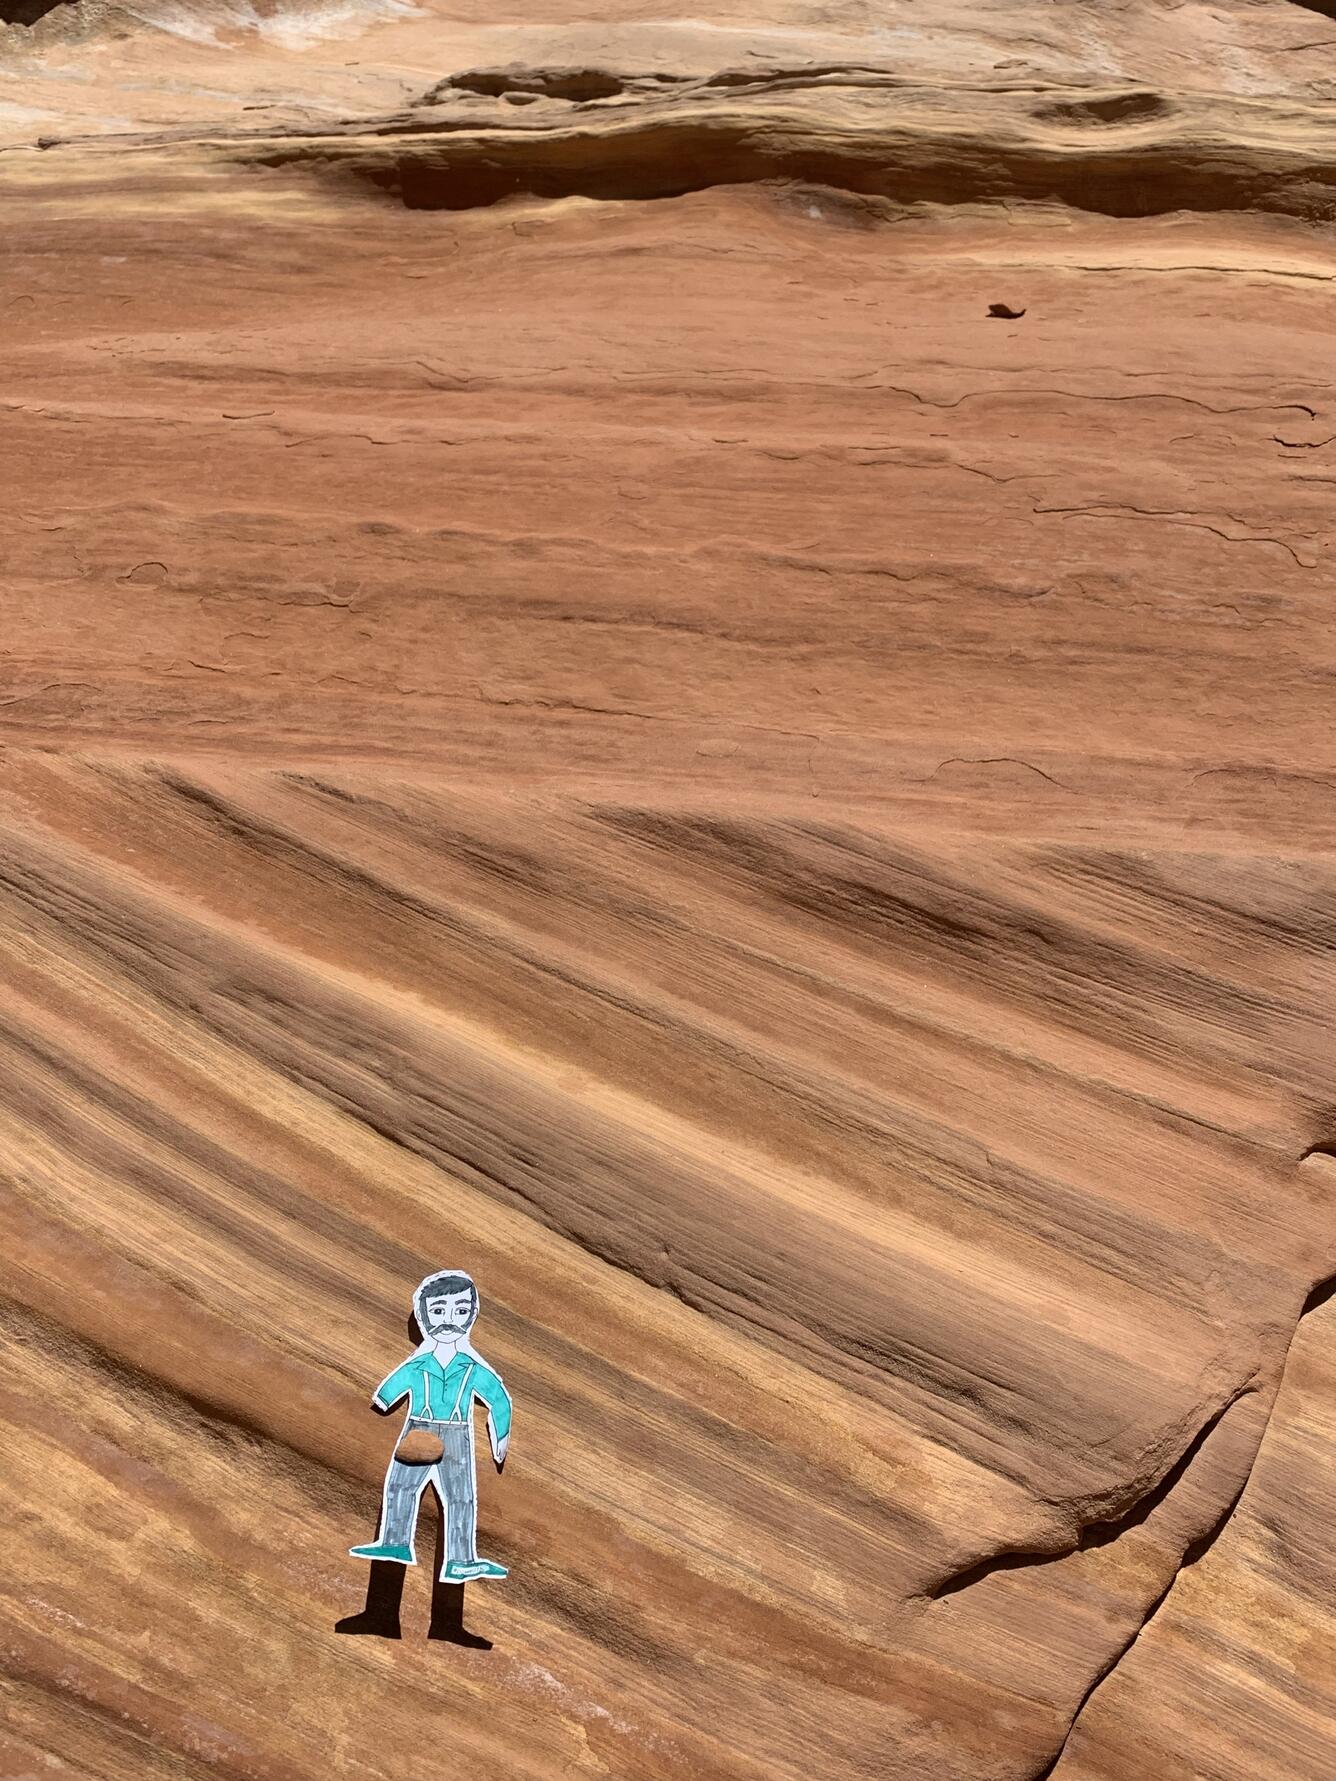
x=440, y=1380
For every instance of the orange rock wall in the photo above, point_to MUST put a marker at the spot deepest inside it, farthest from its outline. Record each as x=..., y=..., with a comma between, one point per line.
x=636, y=739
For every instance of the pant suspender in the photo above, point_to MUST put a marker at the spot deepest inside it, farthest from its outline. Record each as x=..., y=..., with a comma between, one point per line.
x=460, y=1393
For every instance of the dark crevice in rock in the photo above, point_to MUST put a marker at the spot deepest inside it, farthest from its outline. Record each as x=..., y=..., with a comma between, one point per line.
x=1327, y=8
x=1116, y=108
x=1197, y=1549
x=584, y=86
x=657, y=147
x=1097, y=1533
x=579, y=85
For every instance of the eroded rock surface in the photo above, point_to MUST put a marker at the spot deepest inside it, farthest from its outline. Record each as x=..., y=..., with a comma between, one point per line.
x=686, y=663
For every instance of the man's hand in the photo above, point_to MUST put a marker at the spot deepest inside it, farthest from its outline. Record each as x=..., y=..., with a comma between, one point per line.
x=499, y=1452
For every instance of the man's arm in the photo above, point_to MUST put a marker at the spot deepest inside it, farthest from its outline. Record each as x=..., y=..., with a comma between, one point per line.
x=399, y=1385
x=487, y=1385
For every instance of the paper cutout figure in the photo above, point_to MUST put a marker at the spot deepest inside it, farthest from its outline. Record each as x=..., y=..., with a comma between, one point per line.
x=441, y=1380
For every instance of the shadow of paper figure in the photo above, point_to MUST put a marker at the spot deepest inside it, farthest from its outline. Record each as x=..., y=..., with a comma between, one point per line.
x=447, y=1602
x=26, y=12
x=380, y=1616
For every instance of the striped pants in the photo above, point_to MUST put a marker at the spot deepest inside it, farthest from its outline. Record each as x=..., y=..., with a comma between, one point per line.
x=455, y=1482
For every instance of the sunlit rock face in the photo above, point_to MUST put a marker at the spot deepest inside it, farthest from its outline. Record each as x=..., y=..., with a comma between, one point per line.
x=685, y=664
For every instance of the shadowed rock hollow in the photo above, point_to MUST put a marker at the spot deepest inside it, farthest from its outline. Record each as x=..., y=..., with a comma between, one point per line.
x=688, y=664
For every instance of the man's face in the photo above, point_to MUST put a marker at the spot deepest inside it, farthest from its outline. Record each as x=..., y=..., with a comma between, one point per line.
x=449, y=1314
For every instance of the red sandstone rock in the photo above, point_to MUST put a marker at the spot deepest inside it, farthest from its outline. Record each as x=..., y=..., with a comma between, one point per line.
x=668, y=752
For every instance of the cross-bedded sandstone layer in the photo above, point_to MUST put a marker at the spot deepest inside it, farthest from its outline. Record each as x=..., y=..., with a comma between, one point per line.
x=643, y=739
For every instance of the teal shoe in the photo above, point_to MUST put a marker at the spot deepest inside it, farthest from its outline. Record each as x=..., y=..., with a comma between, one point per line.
x=397, y=1555
x=470, y=1570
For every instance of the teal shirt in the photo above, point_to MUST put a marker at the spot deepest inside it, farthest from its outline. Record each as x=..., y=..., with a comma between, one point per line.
x=446, y=1394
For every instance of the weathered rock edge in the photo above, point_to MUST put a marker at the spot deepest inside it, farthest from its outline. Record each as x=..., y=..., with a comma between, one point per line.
x=1126, y=152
